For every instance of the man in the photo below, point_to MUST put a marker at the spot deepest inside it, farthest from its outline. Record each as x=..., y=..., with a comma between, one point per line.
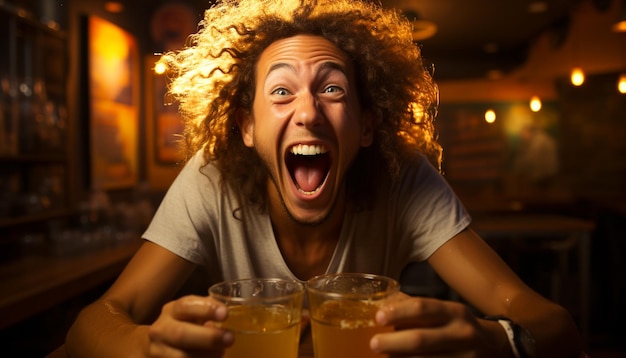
x=310, y=140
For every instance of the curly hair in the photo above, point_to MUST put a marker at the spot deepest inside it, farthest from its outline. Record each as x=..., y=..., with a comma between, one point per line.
x=215, y=75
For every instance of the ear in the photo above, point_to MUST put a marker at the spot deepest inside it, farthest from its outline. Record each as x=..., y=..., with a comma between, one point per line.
x=367, y=129
x=246, y=127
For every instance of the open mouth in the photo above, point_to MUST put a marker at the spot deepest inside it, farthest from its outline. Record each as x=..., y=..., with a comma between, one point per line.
x=308, y=166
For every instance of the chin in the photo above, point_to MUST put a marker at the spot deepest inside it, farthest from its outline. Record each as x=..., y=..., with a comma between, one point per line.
x=309, y=219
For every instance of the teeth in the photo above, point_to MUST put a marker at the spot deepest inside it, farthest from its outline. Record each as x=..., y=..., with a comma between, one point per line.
x=305, y=149
x=308, y=192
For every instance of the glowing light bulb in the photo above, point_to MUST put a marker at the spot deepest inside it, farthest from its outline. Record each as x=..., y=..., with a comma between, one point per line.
x=535, y=104
x=577, y=76
x=160, y=68
x=490, y=116
x=621, y=84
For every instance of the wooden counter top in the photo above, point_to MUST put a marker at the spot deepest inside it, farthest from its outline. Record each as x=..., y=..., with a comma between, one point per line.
x=31, y=285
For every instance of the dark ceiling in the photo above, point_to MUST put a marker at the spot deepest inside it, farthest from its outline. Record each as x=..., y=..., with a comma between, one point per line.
x=475, y=37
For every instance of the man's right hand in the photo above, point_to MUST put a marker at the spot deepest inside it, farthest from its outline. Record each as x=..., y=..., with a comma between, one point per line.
x=186, y=327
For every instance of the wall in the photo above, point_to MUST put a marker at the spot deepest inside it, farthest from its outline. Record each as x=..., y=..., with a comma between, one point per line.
x=586, y=123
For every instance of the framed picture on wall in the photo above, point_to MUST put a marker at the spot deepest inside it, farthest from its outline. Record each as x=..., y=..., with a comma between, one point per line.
x=164, y=127
x=113, y=67
x=168, y=125
x=170, y=25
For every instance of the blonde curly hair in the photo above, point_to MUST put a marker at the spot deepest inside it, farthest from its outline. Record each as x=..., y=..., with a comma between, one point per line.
x=215, y=75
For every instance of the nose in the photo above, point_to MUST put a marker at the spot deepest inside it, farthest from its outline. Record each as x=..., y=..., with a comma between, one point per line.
x=308, y=113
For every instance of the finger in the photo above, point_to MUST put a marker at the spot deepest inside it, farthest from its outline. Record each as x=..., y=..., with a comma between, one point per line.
x=418, y=312
x=421, y=341
x=398, y=296
x=198, y=309
x=190, y=336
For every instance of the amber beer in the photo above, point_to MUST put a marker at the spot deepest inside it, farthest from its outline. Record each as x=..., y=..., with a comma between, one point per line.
x=336, y=336
x=261, y=331
x=264, y=316
x=343, y=307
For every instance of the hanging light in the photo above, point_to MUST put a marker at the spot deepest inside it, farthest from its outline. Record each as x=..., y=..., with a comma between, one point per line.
x=490, y=116
x=621, y=84
x=620, y=24
x=422, y=29
x=577, y=76
x=535, y=104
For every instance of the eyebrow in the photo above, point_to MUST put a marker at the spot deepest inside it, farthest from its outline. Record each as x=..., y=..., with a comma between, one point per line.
x=334, y=66
x=325, y=65
x=278, y=66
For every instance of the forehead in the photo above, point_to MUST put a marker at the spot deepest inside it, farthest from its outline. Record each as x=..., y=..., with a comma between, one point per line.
x=302, y=50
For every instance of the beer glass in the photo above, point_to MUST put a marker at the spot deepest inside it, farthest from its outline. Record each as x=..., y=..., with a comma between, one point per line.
x=264, y=316
x=343, y=307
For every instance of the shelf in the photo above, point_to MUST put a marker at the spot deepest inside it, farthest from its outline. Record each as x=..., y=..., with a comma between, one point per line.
x=33, y=218
x=35, y=129
x=33, y=158
x=29, y=19
x=31, y=285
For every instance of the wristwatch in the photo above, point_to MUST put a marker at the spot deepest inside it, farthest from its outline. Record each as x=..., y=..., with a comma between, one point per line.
x=520, y=338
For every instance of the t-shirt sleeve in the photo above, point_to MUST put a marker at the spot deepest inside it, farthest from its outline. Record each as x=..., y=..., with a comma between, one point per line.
x=182, y=223
x=430, y=213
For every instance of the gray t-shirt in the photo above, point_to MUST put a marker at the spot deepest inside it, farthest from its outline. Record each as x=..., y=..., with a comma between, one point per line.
x=202, y=221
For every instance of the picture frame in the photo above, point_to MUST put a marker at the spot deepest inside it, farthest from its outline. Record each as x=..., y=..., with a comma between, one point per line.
x=164, y=158
x=113, y=96
x=168, y=124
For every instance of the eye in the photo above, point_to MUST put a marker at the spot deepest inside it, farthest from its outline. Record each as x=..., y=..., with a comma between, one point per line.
x=281, y=91
x=333, y=89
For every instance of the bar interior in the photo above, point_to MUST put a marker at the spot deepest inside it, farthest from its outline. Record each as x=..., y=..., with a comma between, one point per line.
x=532, y=119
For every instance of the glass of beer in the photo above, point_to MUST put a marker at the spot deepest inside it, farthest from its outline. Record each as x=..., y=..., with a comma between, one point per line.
x=264, y=316
x=343, y=307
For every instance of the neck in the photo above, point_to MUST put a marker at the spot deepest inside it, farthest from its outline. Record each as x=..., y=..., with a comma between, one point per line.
x=307, y=248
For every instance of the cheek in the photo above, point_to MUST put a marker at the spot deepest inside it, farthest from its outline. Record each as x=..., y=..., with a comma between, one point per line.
x=352, y=130
x=264, y=135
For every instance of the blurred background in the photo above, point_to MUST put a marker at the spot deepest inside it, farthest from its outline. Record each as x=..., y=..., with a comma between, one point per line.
x=532, y=119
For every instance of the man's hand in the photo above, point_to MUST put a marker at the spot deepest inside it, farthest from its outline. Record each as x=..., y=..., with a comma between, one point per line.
x=187, y=326
x=433, y=328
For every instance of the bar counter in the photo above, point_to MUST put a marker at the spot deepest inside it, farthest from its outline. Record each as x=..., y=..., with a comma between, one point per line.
x=33, y=284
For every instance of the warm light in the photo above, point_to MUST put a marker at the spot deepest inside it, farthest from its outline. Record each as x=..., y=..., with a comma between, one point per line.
x=578, y=76
x=621, y=85
x=160, y=68
x=417, y=110
x=535, y=104
x=537, y=7
x=114, y=7
x=490, y=116
x=422, y=29
x=619, y=26
x=111, y=48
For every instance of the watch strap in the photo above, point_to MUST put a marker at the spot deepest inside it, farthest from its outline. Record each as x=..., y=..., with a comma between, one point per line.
x=510, y=333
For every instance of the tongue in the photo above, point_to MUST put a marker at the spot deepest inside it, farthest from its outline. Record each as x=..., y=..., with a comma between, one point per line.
x=308, y=178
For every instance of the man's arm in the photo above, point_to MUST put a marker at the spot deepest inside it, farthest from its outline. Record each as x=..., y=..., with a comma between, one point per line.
x=480, y=276
x=110, y=327
x=433, y=327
